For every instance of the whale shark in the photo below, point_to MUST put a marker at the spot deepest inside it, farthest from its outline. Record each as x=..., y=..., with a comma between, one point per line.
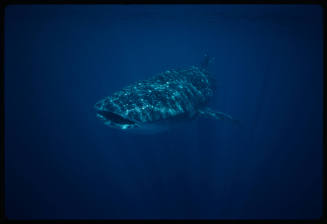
x=170, y=97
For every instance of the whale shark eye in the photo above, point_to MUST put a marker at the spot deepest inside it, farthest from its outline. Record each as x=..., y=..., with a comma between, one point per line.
x=115, y=117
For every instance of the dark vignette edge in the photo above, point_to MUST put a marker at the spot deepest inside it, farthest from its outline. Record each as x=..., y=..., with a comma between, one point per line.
x=6, y=3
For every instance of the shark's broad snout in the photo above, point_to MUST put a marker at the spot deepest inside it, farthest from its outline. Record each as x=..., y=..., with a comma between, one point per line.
x=112, y=118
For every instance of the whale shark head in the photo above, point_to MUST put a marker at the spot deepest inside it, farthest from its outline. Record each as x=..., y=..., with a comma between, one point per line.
x=111, y=117
x=116, y=117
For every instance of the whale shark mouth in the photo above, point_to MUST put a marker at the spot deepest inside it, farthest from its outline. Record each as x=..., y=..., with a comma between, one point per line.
x=114, y=118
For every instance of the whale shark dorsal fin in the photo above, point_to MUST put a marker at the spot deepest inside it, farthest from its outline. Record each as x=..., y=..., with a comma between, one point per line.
x=206, y=61
x=210, y=113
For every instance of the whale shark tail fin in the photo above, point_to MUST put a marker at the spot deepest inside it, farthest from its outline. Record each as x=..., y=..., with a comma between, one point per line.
x=208, y=112
x=206, y=61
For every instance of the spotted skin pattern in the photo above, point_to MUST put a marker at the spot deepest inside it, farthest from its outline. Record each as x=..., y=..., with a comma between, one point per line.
x=163, y=96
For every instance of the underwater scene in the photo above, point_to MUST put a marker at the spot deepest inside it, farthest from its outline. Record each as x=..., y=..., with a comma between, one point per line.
x=163, y=111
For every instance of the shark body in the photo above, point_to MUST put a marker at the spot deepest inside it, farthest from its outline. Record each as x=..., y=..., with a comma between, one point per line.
x=169, y=97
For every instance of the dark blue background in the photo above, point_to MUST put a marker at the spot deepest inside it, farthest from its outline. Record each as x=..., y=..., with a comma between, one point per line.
x=64, y=163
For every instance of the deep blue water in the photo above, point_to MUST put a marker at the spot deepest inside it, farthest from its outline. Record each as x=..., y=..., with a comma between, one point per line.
x=64, y=163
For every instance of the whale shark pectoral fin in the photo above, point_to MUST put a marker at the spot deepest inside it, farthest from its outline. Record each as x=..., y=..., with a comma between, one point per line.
x=208, y=112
